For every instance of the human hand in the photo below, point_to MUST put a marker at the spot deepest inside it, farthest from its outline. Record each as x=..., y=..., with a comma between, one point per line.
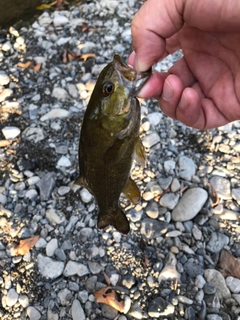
x=202, y=89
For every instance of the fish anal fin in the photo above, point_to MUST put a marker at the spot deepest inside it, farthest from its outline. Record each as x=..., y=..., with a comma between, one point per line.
x=131, y=191
x=139, y=154
x=117, y=219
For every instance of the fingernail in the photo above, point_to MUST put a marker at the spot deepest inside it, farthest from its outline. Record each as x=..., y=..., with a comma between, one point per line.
x=167, y=91
x=183, y=104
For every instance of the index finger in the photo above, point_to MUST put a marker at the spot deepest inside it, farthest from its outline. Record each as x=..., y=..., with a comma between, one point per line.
x=156, y=21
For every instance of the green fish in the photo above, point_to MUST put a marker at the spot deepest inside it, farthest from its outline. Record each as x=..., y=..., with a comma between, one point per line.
x=109, y=141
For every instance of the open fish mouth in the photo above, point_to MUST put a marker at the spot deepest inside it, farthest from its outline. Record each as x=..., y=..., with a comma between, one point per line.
x=129, y=77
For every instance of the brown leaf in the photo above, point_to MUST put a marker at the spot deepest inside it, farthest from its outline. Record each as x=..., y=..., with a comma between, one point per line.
x=109, y=296
x=25, y=246
x=230, y=264
x=84, y=26
x=24, y=65
x=107, y=279
x=37, y=67
x=213, y=195
x=87, y=55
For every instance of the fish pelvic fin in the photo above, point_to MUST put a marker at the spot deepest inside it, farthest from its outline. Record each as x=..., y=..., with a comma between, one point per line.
x=139, y=154
x=117, y=219
x=131, y=191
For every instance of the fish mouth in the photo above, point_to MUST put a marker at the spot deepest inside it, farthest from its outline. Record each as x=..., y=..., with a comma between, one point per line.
x=130, y=78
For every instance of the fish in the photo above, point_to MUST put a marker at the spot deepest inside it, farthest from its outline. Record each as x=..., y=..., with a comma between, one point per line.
x=109, y=142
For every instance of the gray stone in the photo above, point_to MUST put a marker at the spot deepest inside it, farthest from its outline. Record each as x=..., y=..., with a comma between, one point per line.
x=4, y=79
x=64, y=162
x=169, y=200
x=209, y=289
x=77, y=311
x=109, y=312
x=73, y=268
x=222, y=187
x=150, y=140
x=60, y=94
x=216, y=279
x=33, y=313
x=10, y=132
x=151, y=229
x=65, y=296
x=165, y=182
x=51, y=247
x=233, y=284
x=55, y=216
x=12, y=297
x=156, y=306
x=152, y=210
x=49, y=268
x=193, y=269
x=217, y=242
x=154, y=118
x=169, y=271
x=169, y=166
x=187, y=168
x=46, y=185
x=190, y=204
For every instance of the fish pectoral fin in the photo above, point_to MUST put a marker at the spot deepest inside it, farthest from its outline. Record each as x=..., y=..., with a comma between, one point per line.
x=139, y=153
x=117, y=219
x=116, y=152
x=131, y=191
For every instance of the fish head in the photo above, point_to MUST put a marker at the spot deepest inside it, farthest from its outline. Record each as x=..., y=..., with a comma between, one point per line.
x=117, y=84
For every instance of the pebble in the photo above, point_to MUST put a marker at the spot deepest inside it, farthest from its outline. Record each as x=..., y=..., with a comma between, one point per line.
x=169, y=271
x=54, y=216
x=73, y=268
x=46, y=185
x=85, y=195
x=216, y=279
x=217, y=241
x=150, y=140
x=10, y=132
x=12, y=297
x=169, y=200
x=51, y=247
x=64, y=162
x=48, y=267
x=55, y=113
x=151, y=228
x=4, y=79
x=77, y=311
x=187, y=168
x=154, y=118
x=233, y=284
x=33, y=313
x=190, y=204
x=221, y=186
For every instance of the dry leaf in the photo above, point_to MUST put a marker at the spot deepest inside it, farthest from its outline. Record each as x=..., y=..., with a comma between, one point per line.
x=230, y=264
x=84, y=26
x=25, y=246
x=24, y=65
x=37, y=67
x=107, y=279
x=109, y=296
x=87, y=55
x=213, y=195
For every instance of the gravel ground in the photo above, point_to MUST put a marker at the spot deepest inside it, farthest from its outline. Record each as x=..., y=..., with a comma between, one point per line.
x=167, y=267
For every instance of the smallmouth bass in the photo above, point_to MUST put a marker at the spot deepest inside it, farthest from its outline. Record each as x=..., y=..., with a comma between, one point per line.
x=109, y=141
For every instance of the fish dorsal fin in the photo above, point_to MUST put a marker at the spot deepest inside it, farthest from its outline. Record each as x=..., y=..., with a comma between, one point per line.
x=131, y=191
x=139, y=154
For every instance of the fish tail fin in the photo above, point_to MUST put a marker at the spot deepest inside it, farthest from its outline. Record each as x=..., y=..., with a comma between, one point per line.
x=116, y=219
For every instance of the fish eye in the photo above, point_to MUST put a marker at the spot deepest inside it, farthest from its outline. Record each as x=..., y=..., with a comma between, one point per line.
x=108, y=88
